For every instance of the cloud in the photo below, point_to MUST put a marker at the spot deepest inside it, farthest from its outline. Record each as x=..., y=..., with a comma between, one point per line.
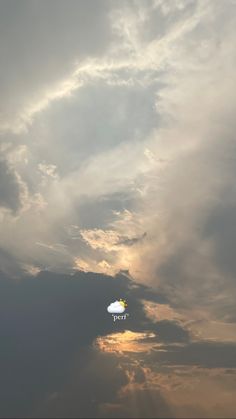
x=36, y=78
x=10, y=189
x=106, y=134
x=116, y=308
x=132, y=241
x=204, y=354
x=50, y=311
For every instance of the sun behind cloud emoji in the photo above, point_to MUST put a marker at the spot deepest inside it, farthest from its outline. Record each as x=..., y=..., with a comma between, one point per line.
x=117, y=307
x=123, y=303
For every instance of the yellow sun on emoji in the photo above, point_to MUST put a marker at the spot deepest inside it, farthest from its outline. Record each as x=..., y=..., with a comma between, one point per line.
x=123, y=303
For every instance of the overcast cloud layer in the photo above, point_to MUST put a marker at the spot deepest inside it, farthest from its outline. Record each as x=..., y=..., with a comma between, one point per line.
x=118, y=159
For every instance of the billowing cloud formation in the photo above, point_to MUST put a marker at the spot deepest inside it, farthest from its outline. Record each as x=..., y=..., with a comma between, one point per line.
x=62, y=354
x=113, y=157
x=116, y=307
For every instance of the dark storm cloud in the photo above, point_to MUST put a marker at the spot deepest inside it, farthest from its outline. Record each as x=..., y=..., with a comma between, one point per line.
x=48, y=324
x=9, y=188
x=168, y=331
x=201, y=354
x=95, y=379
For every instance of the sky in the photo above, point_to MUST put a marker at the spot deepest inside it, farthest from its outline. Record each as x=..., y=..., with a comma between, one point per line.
x=117, y=181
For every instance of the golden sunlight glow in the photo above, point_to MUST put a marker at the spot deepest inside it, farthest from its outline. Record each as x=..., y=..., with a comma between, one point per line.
x=126, y=341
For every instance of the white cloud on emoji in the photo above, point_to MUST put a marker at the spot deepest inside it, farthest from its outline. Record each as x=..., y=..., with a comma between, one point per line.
x=116, y=308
